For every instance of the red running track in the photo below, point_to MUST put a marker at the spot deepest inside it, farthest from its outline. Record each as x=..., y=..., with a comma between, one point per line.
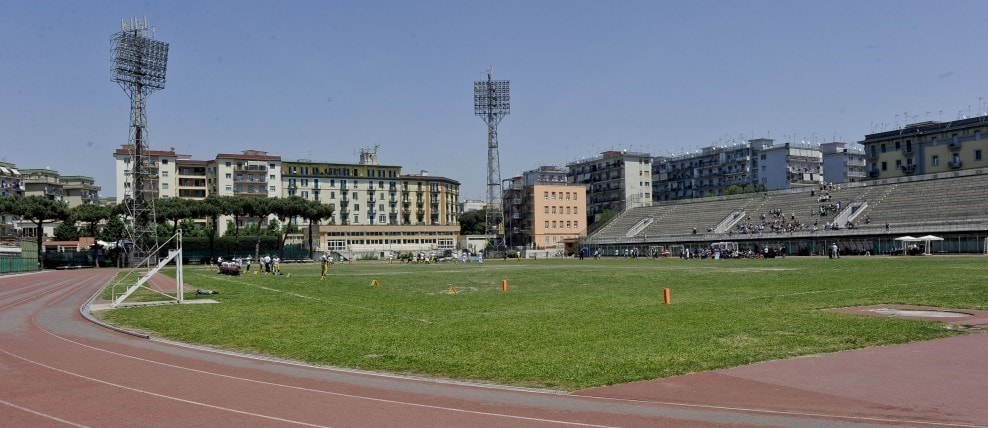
x=58, y=369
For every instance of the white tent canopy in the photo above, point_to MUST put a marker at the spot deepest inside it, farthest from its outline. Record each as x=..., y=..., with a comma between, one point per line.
x=924, y=239
x=927, y=240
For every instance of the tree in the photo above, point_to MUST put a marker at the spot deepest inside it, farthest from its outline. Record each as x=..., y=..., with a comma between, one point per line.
x=287, y=211
x=212, y=208
x=473, y=222
x=173, y=209
x=315, y=213
x=91, y=214
x=66, y=231
x=38, y=210
x=114, y=230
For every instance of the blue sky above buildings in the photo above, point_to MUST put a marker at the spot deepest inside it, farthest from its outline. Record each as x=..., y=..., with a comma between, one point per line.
x=321, y=80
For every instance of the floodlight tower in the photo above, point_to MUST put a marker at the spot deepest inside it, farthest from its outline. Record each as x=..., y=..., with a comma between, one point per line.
x=138, y=64
x=491, y=101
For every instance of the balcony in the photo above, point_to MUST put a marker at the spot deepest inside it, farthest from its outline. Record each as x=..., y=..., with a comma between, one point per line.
x=873, y=173
x=909, y=169
x=955, y=146
x=955, y=164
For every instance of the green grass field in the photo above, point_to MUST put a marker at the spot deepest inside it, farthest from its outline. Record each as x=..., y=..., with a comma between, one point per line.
x=565, y=324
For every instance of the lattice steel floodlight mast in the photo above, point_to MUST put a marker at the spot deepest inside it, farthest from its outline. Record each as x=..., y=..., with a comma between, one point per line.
x=138, y=66
x=492, y=101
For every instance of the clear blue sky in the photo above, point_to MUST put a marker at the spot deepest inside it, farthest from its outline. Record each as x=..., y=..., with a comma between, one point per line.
x=322, y=79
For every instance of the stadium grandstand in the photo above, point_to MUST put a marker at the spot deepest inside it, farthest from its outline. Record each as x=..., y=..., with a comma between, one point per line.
x=862, y=218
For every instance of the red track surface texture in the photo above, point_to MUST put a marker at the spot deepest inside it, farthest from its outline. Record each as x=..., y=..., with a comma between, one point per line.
x=57, y=369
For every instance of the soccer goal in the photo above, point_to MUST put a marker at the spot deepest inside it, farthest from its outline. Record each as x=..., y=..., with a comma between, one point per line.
x=145, y=272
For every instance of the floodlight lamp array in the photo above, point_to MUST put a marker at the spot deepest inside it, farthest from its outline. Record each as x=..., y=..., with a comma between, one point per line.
x=139, y=61
x=491, y=97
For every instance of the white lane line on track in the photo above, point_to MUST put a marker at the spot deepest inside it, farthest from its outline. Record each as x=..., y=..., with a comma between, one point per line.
x=350, y=396
x=29, y=298
x=786, y=413
x=154, y=394
x=44, y=415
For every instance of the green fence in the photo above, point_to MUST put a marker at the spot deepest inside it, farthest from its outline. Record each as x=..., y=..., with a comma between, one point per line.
x=26, y=261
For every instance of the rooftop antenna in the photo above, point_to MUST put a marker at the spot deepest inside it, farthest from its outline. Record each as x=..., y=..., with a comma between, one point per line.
x=138, y=64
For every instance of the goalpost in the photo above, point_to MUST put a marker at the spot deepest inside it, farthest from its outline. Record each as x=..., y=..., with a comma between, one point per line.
x=173, y=254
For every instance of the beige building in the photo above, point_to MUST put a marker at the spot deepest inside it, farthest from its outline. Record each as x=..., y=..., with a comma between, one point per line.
x=43, y=182
x=80, y=190
x=251, y=173
x=160, y=170
x=191, y=178
x=542, y=210
x=377, y=210
x=927, y=148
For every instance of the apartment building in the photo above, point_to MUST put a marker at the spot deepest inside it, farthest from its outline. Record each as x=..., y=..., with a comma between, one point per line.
x=927, y=148
x=615, y=180
x=843, y=164
x=543, y=210
x=79, y=190
x=159, y=171
x=707, y=172
x=11, y=180
x=251, y=173
x=787, y=165
x=43, y=182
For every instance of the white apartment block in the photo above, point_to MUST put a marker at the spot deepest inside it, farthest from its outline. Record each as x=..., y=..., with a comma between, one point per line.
x=615, y=180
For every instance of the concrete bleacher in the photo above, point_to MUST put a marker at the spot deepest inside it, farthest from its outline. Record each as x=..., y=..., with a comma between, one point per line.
x=945, y=201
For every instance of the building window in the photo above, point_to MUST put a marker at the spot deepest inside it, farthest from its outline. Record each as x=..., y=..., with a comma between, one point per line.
x=898, y=164
x=935, y=161
x=546, y=209
x=228, y=164
x=164, y=173
x=885, y=166
x=545, y=196
x=547, y=224
x=164, y=186
x=977, y=154
x=883, y=148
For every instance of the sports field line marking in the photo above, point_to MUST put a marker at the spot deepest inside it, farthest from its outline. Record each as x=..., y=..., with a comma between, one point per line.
x=302, y=296
x=44, y=415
